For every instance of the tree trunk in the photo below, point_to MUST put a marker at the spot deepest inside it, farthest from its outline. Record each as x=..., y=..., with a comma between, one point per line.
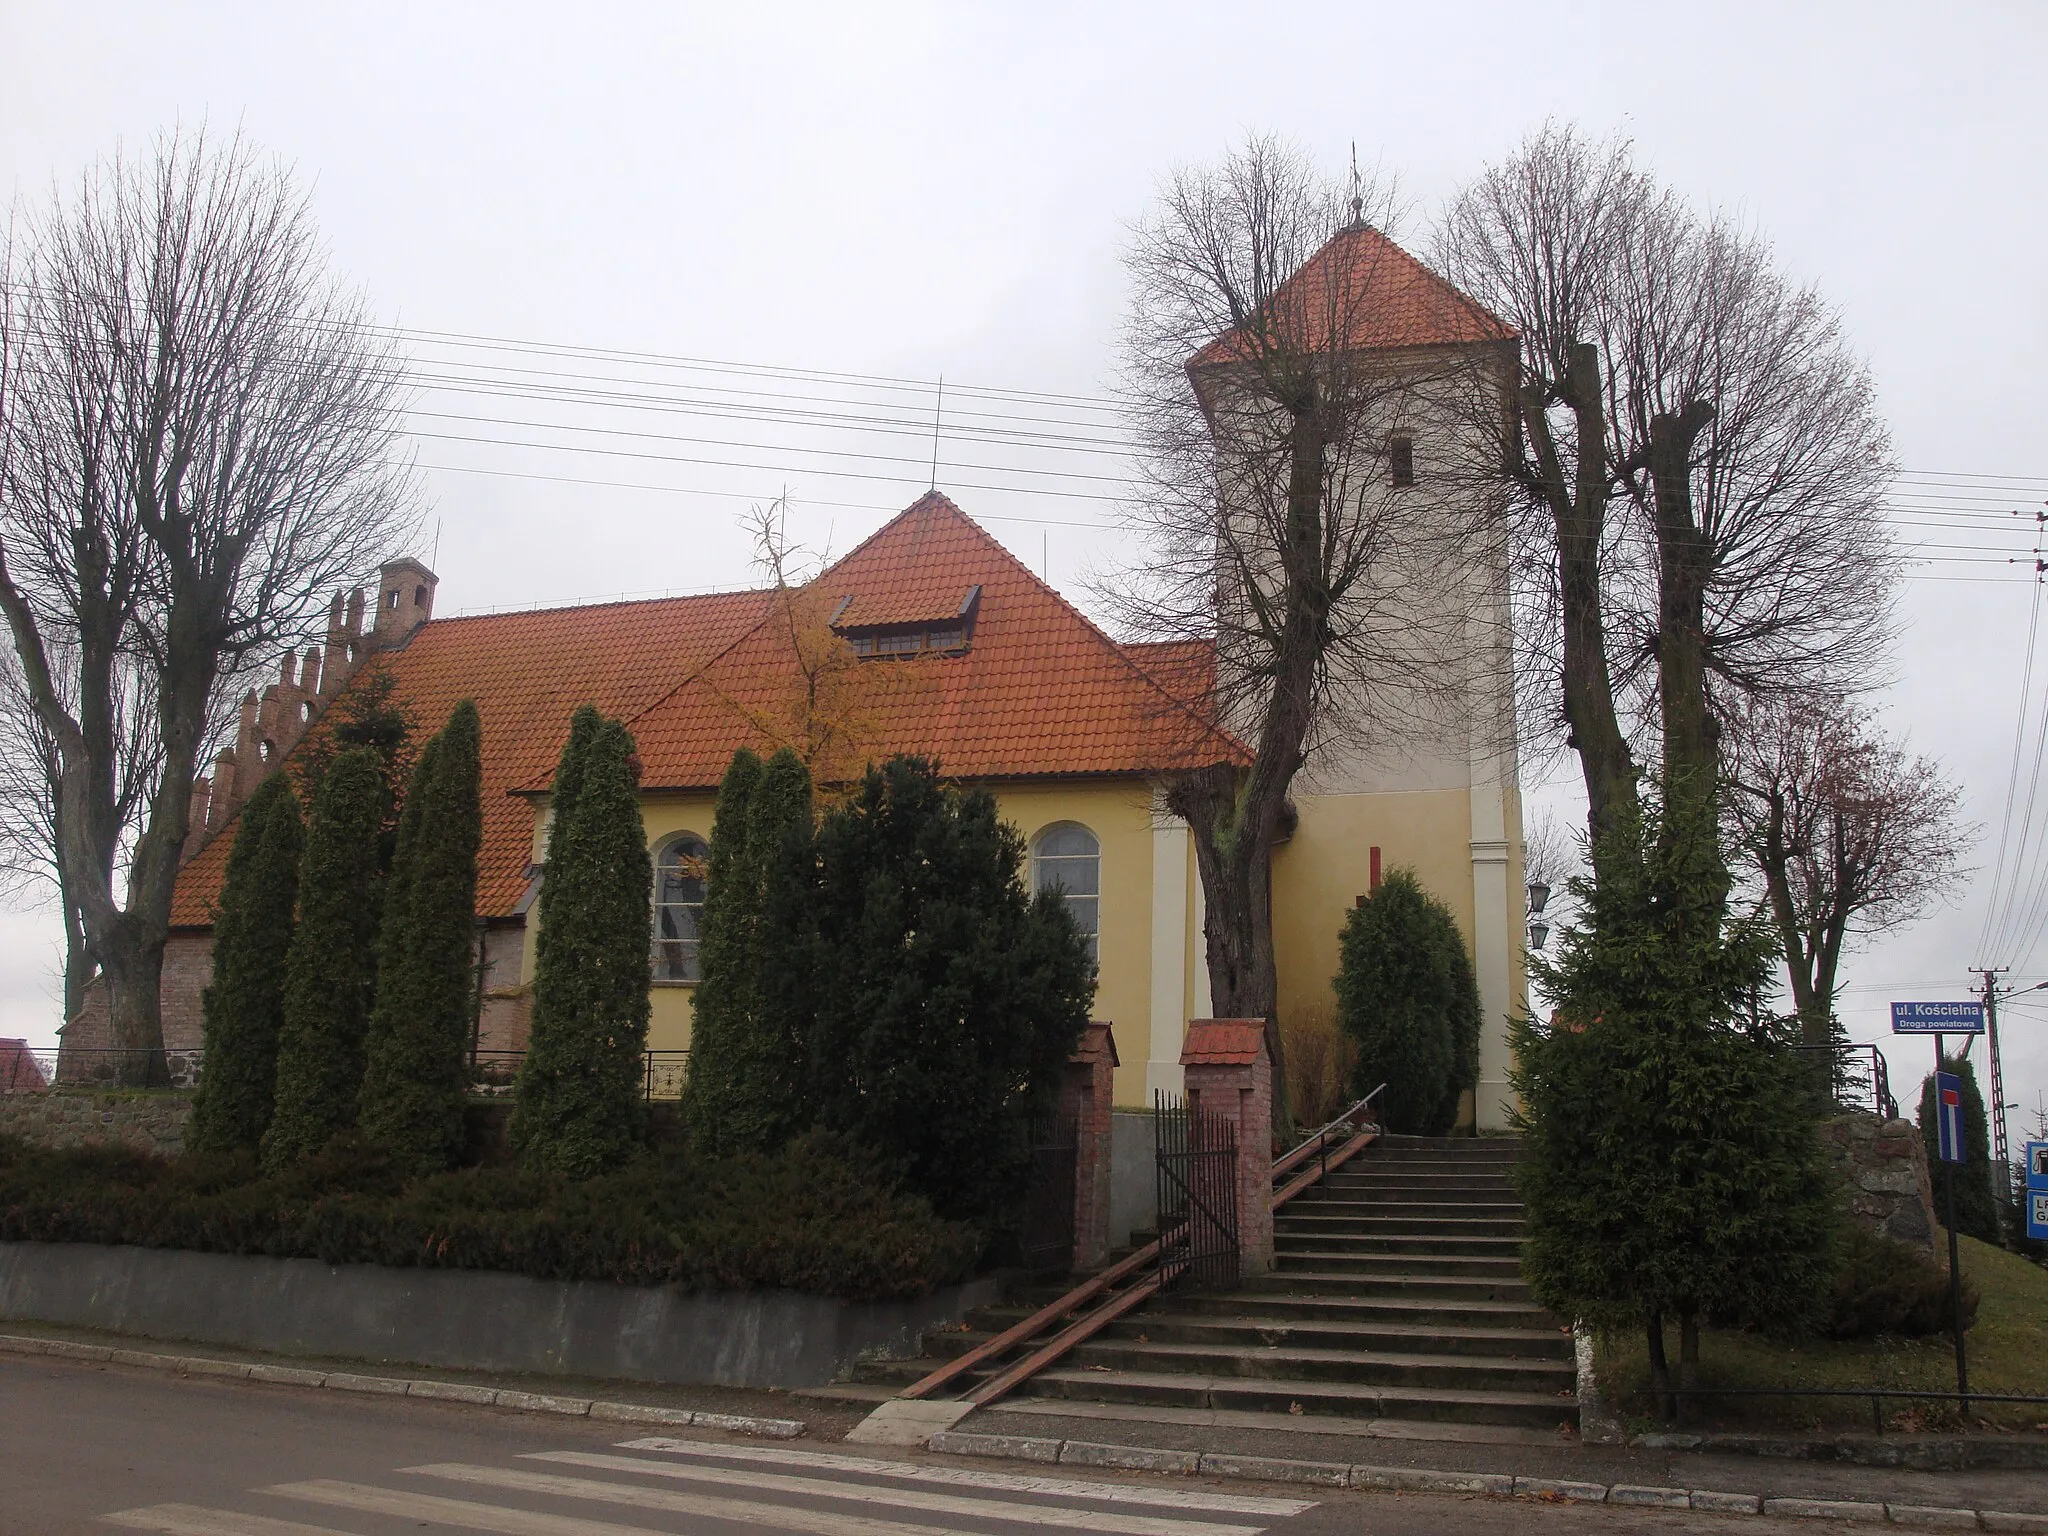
x=1660, y=1367
x=1579, y=513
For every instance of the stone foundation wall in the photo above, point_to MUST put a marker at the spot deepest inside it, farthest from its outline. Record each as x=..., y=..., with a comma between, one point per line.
x=1884, y=1165
x=148, y=1122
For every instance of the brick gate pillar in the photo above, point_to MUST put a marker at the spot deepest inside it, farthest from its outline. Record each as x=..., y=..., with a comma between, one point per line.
x=1086, y=1094
x=1229, y=1073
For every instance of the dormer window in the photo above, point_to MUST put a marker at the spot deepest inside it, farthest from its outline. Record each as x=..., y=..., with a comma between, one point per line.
x=893, y=630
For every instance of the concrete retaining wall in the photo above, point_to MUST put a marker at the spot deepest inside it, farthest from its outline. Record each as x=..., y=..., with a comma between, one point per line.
x=65, y=1117
x=467, y=1319
x=1133, y=1193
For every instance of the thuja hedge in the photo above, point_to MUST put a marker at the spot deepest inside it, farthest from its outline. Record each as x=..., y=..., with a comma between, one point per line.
x=817, y=1216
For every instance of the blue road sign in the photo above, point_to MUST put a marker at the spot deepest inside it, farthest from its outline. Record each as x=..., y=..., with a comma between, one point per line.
x=2037, y=1190
x=1948, y=1115
x=1938, y=1018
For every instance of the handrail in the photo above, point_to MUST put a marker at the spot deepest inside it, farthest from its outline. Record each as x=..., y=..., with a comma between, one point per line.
x=1319, y=1137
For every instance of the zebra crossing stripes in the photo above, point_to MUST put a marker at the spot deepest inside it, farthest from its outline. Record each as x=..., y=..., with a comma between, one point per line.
x=653, y=1495
x=979, y=1477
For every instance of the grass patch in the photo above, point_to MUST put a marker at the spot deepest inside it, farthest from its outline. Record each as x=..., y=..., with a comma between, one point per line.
x=2007, y=1349
x=818, y=1215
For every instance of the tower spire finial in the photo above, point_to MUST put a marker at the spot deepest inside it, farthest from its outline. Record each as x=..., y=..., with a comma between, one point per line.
x=1357, y=191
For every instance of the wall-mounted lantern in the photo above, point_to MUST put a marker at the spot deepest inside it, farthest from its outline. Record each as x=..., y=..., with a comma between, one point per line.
x=1538, y=932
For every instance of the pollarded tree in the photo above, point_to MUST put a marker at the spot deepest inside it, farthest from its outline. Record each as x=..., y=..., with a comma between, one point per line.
x=579, y=1104
x=752, y=1021
x=243, y=1007
x=948, y=999
x=414, y=1080
x=1672, y=1169
x=332, y=963
x=1406, y=994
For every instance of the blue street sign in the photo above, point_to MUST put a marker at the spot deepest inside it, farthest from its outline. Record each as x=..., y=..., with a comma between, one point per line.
x=1938, y=1018
x=1948, y=1115
x=2037, y=1190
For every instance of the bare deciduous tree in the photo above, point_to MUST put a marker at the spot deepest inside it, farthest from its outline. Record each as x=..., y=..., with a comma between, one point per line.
x=1268, y=410
x=199, y=439
x=1698, y=459
x=1848, y=833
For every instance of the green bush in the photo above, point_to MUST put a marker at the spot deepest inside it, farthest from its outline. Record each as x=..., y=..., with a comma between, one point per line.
x=1406, y=994
x=948, y=999
x=817, y=1215
x=752, y=1015
x=1977, y=1199
x=1890, y=1287
x=578, y=1106
x=414, y=1079
x=332, y=962
x=243, y=1006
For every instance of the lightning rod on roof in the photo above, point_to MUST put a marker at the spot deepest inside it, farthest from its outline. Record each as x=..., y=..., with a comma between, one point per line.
x=1357, y=191
x=938, y=408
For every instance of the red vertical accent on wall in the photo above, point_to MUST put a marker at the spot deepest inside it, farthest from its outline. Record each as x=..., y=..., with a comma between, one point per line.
x=1375, y=866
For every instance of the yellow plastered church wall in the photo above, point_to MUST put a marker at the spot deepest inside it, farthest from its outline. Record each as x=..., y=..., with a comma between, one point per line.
x=1117, y=811
x=1325, y=867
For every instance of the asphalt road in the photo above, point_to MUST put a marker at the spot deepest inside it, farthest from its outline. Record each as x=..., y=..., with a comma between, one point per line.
x=95, y=1448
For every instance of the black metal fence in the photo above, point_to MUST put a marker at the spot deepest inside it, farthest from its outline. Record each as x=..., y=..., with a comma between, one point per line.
x=492, y=1073
x=1046, y=1235
x=1196, y=1183
x=1858, y=1078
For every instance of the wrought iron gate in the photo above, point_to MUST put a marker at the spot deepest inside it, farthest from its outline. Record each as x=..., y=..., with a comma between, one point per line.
x=1197, y=1187
x=1047, y=1235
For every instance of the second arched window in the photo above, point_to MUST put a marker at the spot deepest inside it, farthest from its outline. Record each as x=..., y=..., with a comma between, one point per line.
x=678, y=907
x=1066, y=857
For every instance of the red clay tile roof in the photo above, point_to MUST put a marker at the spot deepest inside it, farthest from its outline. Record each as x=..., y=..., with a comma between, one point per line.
x=527, y=673
x=1377, y=294
x=1222, y=1042
x=1042, y=692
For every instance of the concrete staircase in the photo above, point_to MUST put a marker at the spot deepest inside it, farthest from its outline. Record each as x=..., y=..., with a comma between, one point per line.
x=1396, y=1295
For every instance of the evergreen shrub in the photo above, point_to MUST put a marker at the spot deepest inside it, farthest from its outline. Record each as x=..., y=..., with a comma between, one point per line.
x=1977, y=1197
x=415, y=1076
x=948, y=1000
x=242, y=1008
x=332, y=962
x=1892, y=1288
x=817, y=1215
x=1407, y=996
x=578, y=1103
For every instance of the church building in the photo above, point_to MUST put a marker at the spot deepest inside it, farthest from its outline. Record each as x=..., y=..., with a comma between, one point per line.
x=929, y=638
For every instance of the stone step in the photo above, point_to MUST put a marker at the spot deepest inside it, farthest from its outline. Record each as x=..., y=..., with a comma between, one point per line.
x=1387, y=1193
x=1260, y=1331
x=1366, y=1221
x=1379, y=1368
x=1268, y=1297
x=1326, y=1259
x=1309, y=1238
x=1166, y=1389
x=1341, y=1282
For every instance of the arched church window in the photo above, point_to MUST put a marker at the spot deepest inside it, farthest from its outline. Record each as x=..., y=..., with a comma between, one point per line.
x=678, y=906
x=1066, y=857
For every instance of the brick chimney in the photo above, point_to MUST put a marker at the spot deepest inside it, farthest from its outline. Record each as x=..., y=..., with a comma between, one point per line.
x=405, y=601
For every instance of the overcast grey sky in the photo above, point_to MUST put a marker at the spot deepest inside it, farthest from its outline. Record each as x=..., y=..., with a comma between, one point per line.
x=900, y=192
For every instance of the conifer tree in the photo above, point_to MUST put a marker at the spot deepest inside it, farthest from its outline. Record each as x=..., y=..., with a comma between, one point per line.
x=747, y=1089
x=727, y=991
x=332, y=962
x=1406, y=994
x=948, y=999
x=1977, y=1198
x=243, y=1007
x=414, y=1079
x=1672, y=1168
x=579, y=1107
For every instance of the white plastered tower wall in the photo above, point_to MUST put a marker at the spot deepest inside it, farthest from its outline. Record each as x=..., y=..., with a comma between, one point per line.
x=1426, y=778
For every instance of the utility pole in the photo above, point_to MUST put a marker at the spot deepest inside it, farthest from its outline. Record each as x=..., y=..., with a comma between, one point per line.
x=2001, y=1146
